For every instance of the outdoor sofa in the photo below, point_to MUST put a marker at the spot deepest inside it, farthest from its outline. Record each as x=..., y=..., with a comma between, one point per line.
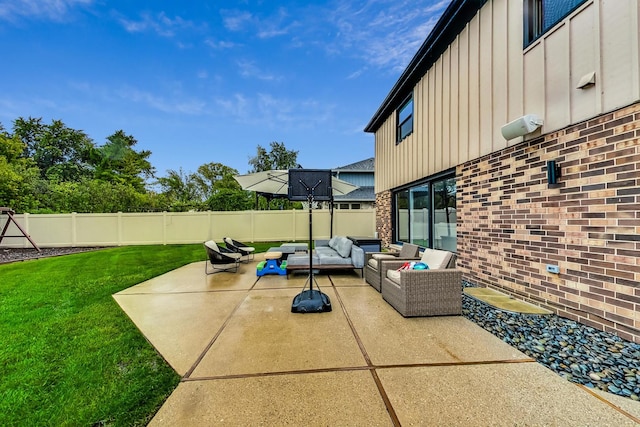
x=436, y=291
x=337, y=253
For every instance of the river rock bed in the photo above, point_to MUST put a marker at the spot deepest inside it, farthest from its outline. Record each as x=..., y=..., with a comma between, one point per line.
x=20, y=254
x=577, y=352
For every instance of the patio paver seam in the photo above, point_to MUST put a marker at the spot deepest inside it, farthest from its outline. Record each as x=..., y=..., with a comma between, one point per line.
x=611, y=404
x=376, y=379
x=215, y=337
x=359, y=368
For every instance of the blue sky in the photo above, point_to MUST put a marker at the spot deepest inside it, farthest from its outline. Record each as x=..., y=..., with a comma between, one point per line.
x=208, y=81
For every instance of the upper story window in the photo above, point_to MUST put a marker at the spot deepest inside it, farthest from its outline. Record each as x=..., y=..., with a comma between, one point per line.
x=405, y=120
x=541, y=15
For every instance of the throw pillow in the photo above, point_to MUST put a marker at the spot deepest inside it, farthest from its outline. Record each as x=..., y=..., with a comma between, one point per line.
x=332, y=242
x=343, y=247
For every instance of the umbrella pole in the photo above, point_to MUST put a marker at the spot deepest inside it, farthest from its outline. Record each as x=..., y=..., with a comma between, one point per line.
x=331, y=217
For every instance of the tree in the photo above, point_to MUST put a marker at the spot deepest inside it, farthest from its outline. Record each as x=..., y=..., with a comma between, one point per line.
x=18, y=175
x=227, y=199
x=181, y=189
x=277, y=158
x=117, y=162
x=212, y=177
x=61, y=153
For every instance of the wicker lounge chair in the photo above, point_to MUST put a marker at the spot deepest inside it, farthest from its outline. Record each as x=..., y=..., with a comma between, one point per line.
x=372, y=270
x=220, y=259
x=239, y=247
x=433, y=292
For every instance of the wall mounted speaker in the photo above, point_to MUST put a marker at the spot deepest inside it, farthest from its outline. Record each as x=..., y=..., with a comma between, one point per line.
x=521, y=126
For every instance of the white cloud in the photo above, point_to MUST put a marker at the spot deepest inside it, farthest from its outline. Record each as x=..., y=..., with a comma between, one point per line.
x=236, y=20
x=175, y=105
x=248, y=69
x=384, y=33
x=274, y=25
x=158, y=23
x=53, y=10
x=274, y=112
x=220, y=44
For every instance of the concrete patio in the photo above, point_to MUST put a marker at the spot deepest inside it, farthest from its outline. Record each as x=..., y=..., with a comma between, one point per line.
x=245, y=359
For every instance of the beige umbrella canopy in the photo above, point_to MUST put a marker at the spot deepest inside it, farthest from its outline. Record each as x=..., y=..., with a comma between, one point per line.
x=277, y=182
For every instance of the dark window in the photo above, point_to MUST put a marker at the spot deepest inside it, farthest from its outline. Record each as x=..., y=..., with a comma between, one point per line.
x=405, y=120
x=541, y=15
x=355, y=206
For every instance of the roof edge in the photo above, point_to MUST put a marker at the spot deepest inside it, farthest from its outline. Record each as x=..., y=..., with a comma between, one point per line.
x=450, y=24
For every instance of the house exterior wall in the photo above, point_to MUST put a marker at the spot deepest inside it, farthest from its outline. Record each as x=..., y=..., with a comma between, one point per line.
x=511, y=225
x=485, y=79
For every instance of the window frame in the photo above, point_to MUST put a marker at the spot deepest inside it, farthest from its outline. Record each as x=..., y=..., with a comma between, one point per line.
x=400, y=122
x=403, y=221
x=534, y=17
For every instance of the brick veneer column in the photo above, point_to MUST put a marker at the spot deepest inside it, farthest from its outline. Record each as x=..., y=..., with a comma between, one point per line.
x=383, y=217
x=511, y=224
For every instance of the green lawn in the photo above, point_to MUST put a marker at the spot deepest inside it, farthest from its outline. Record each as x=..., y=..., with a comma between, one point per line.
x=68, y=354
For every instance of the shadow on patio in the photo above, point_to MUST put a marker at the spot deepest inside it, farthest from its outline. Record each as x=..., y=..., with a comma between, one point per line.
x=246, y=359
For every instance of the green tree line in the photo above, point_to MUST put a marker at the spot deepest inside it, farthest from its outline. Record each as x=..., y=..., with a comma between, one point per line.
x=52, y=168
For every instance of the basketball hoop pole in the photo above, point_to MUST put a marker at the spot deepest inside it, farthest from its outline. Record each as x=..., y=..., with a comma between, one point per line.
x=311, y=301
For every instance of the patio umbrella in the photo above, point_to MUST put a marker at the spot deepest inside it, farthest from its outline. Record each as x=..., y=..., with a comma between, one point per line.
x=276, y=182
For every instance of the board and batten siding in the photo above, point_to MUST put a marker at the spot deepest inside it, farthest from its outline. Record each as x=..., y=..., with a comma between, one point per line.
x=486, y=79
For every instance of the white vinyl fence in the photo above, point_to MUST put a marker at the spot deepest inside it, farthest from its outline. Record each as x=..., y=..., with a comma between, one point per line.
x=165, y=228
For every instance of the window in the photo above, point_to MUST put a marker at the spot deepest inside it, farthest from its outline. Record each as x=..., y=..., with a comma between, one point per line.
x=541, y=15
x=425, y=214
x=405, y=120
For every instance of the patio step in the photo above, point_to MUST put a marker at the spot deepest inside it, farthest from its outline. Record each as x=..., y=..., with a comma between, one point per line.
x=503, y=301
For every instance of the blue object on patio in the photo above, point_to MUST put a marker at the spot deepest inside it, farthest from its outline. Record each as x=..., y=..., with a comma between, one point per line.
x=272, y=265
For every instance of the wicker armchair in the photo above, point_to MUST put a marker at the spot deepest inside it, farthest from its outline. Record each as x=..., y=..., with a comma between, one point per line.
x=433, y=292
x=372, y=270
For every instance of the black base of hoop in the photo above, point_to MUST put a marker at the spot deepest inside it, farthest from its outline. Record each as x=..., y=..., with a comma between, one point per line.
x=311, y=301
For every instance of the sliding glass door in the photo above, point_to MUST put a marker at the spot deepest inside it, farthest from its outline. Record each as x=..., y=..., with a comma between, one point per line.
x=425, y=213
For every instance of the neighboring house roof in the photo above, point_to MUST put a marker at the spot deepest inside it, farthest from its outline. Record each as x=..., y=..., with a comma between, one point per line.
x=366, y=165
x=361, y=194
x=450, y=24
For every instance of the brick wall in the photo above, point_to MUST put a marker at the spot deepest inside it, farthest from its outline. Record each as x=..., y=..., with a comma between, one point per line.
x=383, y=218
x=511, y=223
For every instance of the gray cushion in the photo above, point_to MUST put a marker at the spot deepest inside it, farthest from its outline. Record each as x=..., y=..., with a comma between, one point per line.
x=333, y=241
x=325, y=250
x=302, y=259
x=343, y=247
x=334, y=258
